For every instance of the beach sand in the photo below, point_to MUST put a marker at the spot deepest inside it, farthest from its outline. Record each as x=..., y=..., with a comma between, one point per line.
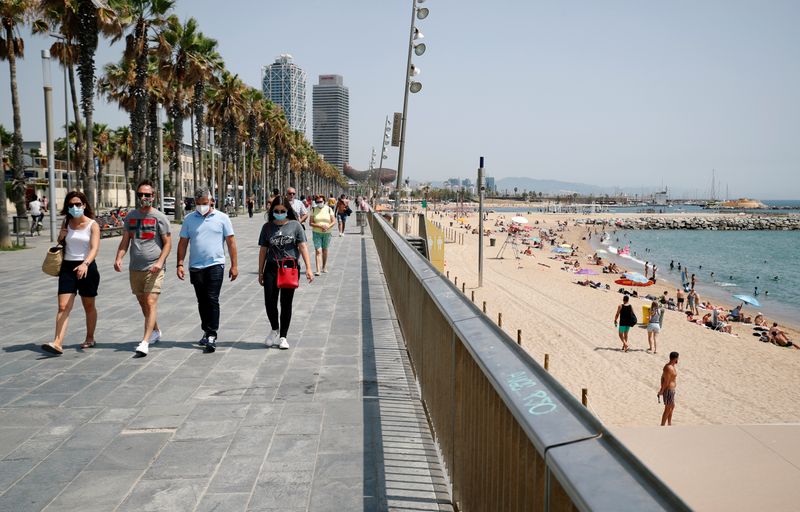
x=722, y=379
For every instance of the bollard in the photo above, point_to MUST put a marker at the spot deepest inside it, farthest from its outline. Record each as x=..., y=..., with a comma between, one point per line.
x=547, y=362
x=463, y=287
x=456, y=281
x=585, y=397
x=448, y=274
x=519, y=336
x=473, y=296
x=499, y=319
x=484, y=307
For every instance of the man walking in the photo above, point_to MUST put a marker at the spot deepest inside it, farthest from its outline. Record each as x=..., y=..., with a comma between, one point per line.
x=205, y=232
x=147, y=235
x=297, y=205
x=669, y=378
x=36, y=214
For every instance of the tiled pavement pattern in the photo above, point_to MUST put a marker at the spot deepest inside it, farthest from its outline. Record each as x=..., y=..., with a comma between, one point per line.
x=334, y=423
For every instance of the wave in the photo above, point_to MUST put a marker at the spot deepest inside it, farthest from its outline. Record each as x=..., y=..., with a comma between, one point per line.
x=724, y=284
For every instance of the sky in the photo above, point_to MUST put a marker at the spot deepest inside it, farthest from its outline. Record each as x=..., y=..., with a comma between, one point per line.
x=614, y=93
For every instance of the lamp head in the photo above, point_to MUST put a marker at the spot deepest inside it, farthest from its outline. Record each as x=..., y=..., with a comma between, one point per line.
x=422, y=13
x=414, y=70
x=415, y=87
x=419, y=48
x=418, y=34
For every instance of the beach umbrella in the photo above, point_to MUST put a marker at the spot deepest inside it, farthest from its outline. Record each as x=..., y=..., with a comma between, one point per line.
x=748, y=299
x=561, y=250
x=534, y=239
x=602, y=251
x=636, y=277
x=519, y=220
x=587, y=271
x=566, y=246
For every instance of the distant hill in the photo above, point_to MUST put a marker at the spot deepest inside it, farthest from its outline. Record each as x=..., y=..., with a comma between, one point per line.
x=555, y=187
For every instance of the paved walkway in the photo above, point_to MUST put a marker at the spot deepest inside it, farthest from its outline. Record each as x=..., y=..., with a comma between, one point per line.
x=334, y=423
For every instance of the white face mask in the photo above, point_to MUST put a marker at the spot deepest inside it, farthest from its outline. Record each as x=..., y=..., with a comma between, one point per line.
x=202, y=209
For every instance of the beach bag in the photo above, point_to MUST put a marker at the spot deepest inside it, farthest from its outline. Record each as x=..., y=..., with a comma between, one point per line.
x=52, y=260
x=348, y=211
x=288, y=273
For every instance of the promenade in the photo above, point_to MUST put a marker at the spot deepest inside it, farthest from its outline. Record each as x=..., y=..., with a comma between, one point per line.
x=333, y=424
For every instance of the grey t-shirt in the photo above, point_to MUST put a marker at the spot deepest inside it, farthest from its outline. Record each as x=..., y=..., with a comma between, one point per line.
x=146, y=231
x=282, y=241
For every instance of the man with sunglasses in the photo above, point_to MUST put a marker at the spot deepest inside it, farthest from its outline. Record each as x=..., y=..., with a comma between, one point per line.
x=297, y=205
x=147, y=234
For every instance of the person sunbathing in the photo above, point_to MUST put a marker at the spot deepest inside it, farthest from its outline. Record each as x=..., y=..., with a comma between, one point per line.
x=737, y=315
x=760, y=321
x=779, y=337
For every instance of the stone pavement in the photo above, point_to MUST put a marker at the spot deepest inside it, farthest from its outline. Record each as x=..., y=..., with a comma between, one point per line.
x=335, y=423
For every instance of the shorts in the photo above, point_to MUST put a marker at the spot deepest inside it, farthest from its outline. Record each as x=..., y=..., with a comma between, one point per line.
x=342, y=217
x=68, y=282
x=321, y=240
x=669, y=397
x=680, y=301
x=624, y=328
x=656, y=328
x=144, y=281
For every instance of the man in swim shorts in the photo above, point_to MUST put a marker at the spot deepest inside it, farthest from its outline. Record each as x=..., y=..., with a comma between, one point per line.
x=669, y=381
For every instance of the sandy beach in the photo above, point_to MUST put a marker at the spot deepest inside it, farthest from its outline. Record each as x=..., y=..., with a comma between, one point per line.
x=723, y=378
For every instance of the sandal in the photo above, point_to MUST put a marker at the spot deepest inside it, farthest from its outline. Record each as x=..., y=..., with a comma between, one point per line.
x=49, y=347
x=88, y=344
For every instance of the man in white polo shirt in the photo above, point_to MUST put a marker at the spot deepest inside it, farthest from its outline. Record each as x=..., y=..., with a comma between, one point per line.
x=297, y=205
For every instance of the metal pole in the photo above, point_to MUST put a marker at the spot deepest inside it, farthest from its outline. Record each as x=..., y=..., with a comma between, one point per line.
x=66, y=123
x=405, y=110
x=48, y=114
x=480, y=222
x=161, y=162
x=244, y=177
x=213, y=175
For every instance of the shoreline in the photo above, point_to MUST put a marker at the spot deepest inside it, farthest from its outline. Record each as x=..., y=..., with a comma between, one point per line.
x=725, y=379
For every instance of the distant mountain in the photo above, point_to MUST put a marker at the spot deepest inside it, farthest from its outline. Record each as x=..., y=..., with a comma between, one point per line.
x=555, y=187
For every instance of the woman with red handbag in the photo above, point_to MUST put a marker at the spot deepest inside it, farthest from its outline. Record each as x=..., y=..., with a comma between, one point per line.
x=282, y=242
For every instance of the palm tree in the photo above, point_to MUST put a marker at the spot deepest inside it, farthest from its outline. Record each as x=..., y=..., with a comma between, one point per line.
x=211, y=63
x=122, y=145
x=5, y=236
x=13, y=13
x=102, y=138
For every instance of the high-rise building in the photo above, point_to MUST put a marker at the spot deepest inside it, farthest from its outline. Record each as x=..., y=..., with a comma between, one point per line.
x=284, y=83
x=331, y=105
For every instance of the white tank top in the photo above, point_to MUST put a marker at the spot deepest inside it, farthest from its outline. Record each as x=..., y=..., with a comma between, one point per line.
x=78, y=242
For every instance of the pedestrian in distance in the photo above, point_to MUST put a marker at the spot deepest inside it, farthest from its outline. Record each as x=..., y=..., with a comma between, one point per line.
x=654, y=320
x=250, y=205
x=342, y=212
x=80, y=235
x=300, y=211
x=322, y=222
x=206, y=232
x=669, y=381
x=147, y=236
x=37, y=214
x=281, y=237
x=624, y=319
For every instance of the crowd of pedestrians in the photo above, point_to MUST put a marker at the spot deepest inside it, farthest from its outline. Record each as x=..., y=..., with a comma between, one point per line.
x=205, y=235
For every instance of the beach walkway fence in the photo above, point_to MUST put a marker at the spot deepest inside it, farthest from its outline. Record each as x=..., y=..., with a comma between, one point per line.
x=509, y=435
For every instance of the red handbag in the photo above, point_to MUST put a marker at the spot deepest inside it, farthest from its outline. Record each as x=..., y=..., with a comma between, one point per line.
x=288, y=273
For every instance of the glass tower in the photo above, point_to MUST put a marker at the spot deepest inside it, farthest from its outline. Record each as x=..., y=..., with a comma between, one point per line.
x=284, y=83
x=331, y=104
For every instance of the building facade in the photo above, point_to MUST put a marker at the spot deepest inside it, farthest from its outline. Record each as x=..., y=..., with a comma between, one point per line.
x=331, y=106
x=284, y=83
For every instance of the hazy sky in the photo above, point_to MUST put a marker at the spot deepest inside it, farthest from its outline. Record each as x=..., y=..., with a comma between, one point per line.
x=634, y=93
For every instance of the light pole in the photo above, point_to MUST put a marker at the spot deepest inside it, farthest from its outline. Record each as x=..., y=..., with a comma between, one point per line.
x=386, y=131
x=48, y=115
x=66, y=102
x=159, y=115
x=213, y=175
x=481, y=190
x=409, y=85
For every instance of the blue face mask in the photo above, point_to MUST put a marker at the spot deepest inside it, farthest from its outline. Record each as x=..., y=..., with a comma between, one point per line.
x=280, y=216
x=76, y=211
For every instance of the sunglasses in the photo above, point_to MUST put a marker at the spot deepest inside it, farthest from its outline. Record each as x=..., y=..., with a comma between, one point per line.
x=144, y=194
x=76, y=204
x=279, y=211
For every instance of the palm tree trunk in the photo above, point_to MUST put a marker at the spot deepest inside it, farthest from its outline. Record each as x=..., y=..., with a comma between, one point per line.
x=194, y=155
x=152, y=143
x=17, y=159
x=127, y=167
x=76, y=113
x=87, y=39
x=177, y=127
x=100, y=184
x=5, y=235
x=140, y=111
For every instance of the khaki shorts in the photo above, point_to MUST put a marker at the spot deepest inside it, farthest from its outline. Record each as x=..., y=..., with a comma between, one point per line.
x=144, y=281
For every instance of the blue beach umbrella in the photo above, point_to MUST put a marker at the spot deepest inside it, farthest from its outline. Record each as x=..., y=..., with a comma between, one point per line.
x=636, y=277
x=748, y=299
x=562, y=250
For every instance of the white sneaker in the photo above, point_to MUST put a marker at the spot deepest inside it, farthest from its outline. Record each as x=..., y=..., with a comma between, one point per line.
x=272, y=339
x=155, y=336
x=283, y=344
x=143, y=348
x=341, y=234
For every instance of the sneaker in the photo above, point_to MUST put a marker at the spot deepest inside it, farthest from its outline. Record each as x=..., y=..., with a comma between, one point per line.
x=155, y=336
x=142, y=348
x=283, y=344
x=272, y=339
x=341, y=234
x=325, y=270
x=203, y=341
x=316, y=273
x=211, y=344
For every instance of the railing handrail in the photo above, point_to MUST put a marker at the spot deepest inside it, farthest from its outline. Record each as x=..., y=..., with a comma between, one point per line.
x=533, y=396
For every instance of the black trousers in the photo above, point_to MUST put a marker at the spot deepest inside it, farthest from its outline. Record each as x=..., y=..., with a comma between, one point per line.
x=271, y=296
x=207, y=285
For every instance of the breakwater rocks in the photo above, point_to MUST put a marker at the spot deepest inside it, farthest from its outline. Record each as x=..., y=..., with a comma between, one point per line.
x=791, y=223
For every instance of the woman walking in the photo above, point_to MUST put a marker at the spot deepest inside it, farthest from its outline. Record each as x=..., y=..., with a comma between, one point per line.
x=342, y=207
x=81, y=237
x=654, y=325
x=282, y=236
x=627, y=319
x=322, y=222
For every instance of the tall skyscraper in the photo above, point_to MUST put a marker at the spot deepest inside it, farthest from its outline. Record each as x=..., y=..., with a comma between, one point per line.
x=284, y=83
x=331, y=105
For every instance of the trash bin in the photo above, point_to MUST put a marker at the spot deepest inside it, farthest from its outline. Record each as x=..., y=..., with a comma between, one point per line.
x=645, y=315
x=361, y=218
x=492, y=242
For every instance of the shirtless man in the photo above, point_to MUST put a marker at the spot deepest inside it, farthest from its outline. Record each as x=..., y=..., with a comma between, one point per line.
x=669, y=379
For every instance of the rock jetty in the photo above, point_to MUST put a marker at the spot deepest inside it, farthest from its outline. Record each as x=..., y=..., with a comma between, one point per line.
x=787, y=223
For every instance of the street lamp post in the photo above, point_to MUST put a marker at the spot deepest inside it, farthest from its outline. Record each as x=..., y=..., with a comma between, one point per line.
x=159, y=110
x=214, y=180
x=409, y=86
x=66, y=102
x=48, y=114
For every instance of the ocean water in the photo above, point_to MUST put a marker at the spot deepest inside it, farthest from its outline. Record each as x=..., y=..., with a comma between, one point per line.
x=740, y=261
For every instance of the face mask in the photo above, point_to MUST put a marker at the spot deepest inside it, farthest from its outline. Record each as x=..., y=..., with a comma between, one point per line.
x=145, y=202
x=76, y=211
x=280, y=216
x=320, y=204
x=202, y=209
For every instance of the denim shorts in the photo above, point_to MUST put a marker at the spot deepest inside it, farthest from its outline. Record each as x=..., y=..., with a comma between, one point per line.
x=321, y=240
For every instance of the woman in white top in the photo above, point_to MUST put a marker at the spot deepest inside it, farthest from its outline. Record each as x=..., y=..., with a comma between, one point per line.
x=80, y=235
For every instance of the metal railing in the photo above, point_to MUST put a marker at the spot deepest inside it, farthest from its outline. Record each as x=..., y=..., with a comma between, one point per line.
x=510, y=436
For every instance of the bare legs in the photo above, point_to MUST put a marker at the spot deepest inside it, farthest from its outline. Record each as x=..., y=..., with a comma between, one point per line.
x=149, y=304
x=65, y=303
x=318, y=259
x=623, y=337
x=666, y=418
x=324, y=259
x=651, y=341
